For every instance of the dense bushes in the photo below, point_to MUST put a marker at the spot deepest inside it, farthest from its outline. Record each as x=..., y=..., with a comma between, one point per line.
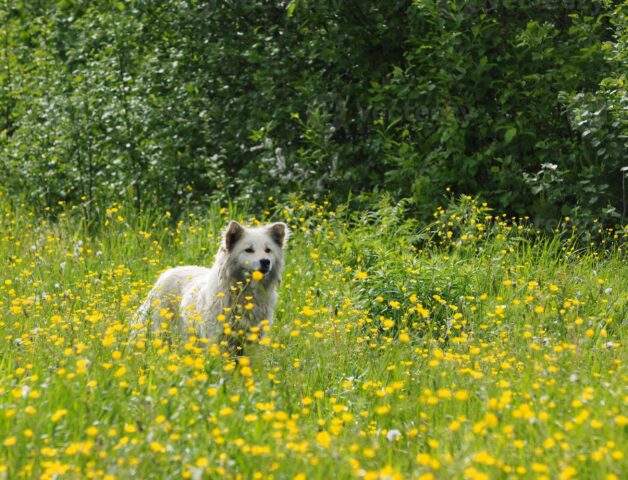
x=523, y=103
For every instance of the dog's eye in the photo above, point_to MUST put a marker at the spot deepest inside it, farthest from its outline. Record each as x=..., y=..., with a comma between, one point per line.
x=267, y=250
x=249, y=250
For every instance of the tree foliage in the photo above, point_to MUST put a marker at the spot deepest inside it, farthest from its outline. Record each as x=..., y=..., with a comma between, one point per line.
x=523, y=103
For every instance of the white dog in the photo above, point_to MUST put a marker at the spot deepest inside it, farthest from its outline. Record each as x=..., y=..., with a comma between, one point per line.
x=236, y=293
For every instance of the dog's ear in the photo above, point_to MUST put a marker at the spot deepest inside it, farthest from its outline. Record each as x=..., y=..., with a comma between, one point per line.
x=279, y=232
x=232, y=235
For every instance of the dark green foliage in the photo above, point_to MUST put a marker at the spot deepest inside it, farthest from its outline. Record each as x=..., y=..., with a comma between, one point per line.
x=523, y=103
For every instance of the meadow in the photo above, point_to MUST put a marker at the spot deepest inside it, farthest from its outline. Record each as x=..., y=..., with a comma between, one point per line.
x=474, y=347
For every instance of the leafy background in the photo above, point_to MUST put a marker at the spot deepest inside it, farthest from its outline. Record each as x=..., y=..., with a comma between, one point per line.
x=167, y=103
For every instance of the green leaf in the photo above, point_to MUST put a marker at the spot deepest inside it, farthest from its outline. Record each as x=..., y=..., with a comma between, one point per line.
x=291, y=7
x=509, y=135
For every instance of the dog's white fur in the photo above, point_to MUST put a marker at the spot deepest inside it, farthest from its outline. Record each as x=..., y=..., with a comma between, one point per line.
x=196, y=297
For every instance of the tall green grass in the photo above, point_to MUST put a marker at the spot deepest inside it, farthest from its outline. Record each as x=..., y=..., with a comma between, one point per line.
x=473, y=347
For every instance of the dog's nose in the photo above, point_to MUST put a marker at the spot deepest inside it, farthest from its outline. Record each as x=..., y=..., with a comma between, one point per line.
x=264, y=265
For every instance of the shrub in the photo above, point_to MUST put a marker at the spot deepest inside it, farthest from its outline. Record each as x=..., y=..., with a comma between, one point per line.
x=171, y=103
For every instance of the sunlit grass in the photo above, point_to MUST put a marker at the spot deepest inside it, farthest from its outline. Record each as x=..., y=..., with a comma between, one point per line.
x=471, y=348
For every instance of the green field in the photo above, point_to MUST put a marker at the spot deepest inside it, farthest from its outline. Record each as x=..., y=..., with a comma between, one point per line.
x=473, y=348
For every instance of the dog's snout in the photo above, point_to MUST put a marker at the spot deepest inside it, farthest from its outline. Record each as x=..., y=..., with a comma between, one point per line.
x=264, y=264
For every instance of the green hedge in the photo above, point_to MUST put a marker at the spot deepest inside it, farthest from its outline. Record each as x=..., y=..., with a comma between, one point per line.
x=522, y=103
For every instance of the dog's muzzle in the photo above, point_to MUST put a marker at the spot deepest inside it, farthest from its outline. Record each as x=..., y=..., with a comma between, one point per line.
x=264, y=265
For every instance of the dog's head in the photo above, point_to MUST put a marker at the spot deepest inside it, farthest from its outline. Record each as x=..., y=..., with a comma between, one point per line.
x=255, y=249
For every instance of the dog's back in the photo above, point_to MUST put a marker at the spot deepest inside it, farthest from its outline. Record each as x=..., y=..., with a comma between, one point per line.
x=164, y=300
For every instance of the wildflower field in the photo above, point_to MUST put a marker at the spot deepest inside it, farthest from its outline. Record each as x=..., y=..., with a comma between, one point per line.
x=471, y=348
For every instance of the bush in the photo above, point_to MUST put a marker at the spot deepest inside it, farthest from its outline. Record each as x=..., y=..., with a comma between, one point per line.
x=522, y=103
